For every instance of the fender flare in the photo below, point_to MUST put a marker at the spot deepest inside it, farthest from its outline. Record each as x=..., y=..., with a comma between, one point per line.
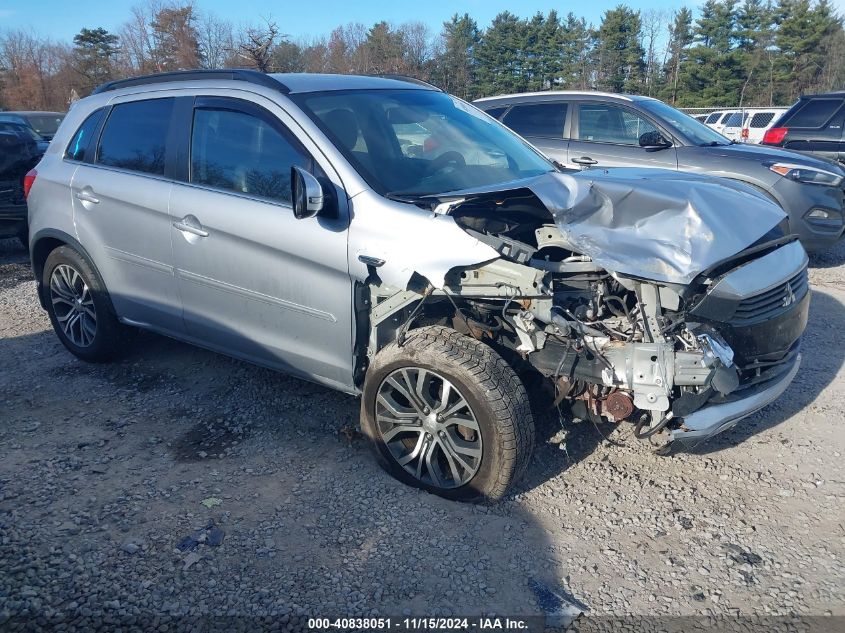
x=37, y=266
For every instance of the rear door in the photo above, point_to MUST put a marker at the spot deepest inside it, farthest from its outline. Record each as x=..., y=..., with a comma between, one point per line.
x=608, y=135
x=120, y=207
x=255, y=281
x=541, y=124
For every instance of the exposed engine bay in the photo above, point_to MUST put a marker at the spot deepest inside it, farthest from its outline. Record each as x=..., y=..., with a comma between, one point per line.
x=682, y=337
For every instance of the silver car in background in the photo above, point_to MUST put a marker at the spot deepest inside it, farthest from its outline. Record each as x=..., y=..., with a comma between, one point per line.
x=383, y=238
x=583, y=130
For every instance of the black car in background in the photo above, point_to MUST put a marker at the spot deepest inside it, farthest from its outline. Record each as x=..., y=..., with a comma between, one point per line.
x=44, y=124
x=815, y=124
x=20, y=151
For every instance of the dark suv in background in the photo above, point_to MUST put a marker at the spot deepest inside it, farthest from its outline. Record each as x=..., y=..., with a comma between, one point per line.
x=45, y=124
x=20, y=151
x=814, y=124
x=595, y=129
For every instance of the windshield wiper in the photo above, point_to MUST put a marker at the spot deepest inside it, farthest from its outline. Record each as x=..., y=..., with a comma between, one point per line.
x=400, y=196
x=714, y=144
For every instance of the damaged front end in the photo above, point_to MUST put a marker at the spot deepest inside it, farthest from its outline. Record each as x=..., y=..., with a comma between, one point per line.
x=671, y=302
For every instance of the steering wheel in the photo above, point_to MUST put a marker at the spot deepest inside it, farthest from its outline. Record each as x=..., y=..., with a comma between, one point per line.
x=445, y=160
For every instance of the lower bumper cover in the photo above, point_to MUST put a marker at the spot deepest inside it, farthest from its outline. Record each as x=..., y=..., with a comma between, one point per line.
x=714, y=419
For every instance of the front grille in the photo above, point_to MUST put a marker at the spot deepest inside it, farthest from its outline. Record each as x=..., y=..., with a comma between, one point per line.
x=772, y=302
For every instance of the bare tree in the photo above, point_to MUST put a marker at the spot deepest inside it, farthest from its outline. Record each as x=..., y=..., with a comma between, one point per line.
x=216, y=41
x=255, y=47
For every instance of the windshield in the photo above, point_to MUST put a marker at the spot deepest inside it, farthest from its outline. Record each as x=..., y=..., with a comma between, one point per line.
x=45, y=124
x=420, y=142
x=695, y=131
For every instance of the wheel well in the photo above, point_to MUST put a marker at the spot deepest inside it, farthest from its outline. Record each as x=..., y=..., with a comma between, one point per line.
x=40, y=251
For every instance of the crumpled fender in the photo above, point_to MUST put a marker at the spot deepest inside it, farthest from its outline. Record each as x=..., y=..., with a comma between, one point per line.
x=409, y=239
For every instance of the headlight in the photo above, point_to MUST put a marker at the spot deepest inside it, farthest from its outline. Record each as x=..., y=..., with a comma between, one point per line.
x=811, y=175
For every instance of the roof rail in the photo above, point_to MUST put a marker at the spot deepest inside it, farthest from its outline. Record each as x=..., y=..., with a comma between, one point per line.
x=238, y=74
x=410, y=80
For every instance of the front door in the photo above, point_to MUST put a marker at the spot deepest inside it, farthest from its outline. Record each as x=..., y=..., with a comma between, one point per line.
x=256, y=282
x=608, y=135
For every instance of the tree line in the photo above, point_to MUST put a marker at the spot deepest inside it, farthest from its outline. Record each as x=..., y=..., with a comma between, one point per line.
x=727, y=53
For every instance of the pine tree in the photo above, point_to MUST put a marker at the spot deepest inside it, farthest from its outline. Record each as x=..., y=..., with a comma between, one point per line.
x=680, y=37
x=619, y=54
x=93, y=56
x=456, y=67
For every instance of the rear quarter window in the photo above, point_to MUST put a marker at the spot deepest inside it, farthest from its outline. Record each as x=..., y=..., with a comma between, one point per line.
x=135, y=136
x=82, y=138
x=813, y=113
x=496, y=112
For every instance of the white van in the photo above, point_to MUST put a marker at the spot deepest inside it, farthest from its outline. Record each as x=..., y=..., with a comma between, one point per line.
x=716, y=120
x=734, y=124
x=760, y=121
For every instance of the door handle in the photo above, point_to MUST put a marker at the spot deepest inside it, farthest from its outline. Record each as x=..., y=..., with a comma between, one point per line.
x=585, y=160
x=87, y=196
x=369, y=260
x=186, y=225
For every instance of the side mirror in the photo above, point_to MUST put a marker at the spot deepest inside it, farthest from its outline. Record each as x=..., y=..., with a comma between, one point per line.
x=306, y=192
x=654, y=140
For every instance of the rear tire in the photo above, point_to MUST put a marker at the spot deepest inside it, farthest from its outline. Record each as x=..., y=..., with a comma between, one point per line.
x=470, y=445
x=80, y=309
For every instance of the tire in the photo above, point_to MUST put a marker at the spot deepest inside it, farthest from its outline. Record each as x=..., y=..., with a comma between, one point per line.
x=68, y=276
x=475, y=451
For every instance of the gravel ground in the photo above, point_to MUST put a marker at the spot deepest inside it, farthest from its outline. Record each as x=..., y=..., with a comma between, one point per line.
x=106, y=469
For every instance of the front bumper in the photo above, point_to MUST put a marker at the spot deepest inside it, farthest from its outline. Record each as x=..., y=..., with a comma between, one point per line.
x=799, y=199
x=714, y=419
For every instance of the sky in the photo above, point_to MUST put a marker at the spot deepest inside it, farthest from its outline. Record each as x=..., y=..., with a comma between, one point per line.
x=62, y=19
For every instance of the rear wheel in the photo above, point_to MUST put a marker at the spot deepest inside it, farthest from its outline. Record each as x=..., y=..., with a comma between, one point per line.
x=79, y=307
x=446, y=413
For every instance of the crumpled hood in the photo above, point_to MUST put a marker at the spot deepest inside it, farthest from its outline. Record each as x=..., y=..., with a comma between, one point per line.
x=654, y=224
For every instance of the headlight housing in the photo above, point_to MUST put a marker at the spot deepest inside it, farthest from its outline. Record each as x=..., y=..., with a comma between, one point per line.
x=810, y=175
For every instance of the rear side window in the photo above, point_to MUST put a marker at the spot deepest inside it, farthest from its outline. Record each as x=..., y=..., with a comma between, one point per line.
x=713, y=117
x=236, y=151
x=496, y=112
x=814, y=113
x=761, y=119
x=82, y=139
x=540, y=119
x=135, y=136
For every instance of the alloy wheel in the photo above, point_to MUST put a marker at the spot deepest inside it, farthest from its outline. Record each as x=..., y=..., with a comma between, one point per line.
x=73, y=305
x=429, y=427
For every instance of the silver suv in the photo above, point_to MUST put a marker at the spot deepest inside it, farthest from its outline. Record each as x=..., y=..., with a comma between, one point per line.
x=386, y=239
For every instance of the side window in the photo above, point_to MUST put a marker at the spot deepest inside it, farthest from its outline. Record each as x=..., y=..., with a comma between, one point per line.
x=713, y=117
x=603, y=123
x=496, y=112
x=240, y=152
x=814, y=113
x=135, y=136
x=80, y=141
x=539, y=119
x=761, y=119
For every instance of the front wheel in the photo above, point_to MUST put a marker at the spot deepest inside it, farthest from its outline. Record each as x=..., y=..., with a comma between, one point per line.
x=446, y=413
